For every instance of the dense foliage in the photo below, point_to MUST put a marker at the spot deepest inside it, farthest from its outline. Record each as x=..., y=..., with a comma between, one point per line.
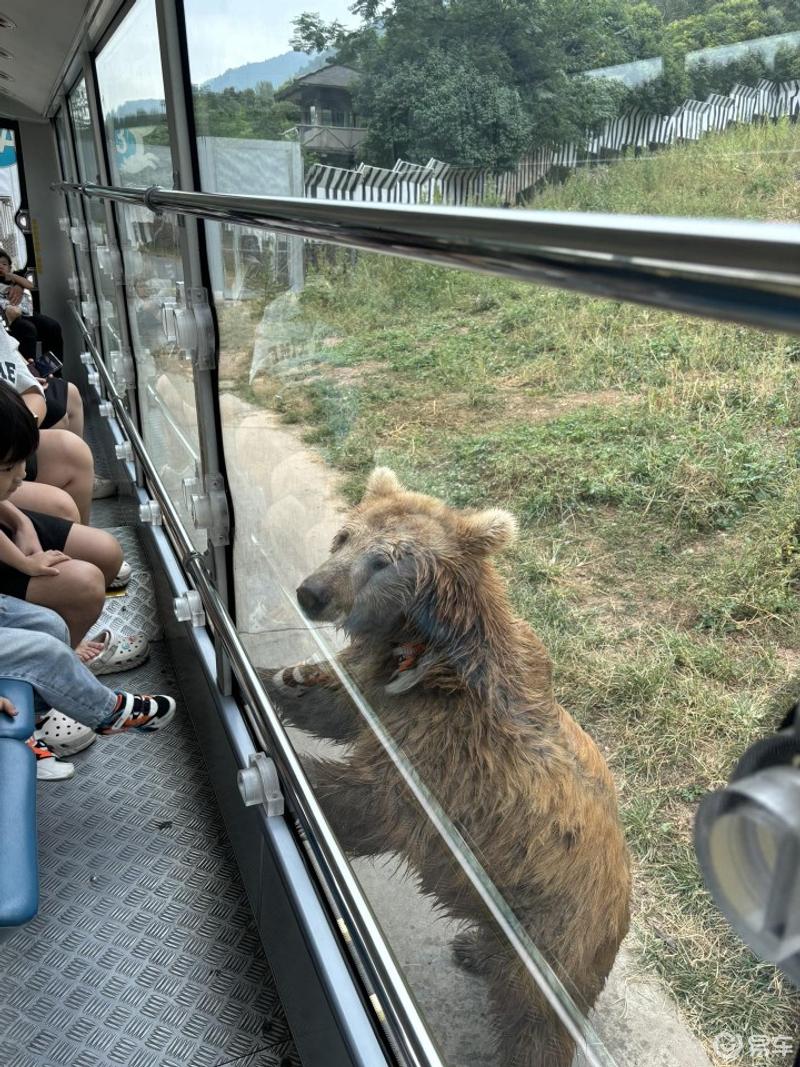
x=250, y=113
x=476, y=82
x=679, y=83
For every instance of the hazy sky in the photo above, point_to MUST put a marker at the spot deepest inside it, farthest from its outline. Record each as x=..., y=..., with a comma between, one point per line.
x=228, y=33
x=221, y=34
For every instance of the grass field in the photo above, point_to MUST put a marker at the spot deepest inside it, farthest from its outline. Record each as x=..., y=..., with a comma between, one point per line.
x=653, y=463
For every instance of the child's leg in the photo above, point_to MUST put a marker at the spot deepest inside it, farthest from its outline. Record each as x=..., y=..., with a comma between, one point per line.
x=66, y=462
x=56, y=674
x=97, y=547
x=21, y=615
x=33, y=649
x=77, y=593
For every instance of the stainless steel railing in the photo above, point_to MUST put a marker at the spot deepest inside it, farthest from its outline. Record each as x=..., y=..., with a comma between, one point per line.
x=746, y=272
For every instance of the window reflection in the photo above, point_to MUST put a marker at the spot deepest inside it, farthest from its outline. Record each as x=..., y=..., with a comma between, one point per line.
x=132, y=95
x=95, y=241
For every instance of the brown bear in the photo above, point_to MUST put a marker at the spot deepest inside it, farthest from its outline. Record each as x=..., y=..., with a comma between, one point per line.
x=465, y=690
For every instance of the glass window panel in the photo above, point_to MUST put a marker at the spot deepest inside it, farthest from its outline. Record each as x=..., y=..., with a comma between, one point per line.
x=132, y=95
x=98, y=224
x=81, y=284
x=648, y=459
x=79, y=116
x=12, y=239
x=71, y=206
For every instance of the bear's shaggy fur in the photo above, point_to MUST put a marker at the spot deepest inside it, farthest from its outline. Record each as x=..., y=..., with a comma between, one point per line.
x=465, y=690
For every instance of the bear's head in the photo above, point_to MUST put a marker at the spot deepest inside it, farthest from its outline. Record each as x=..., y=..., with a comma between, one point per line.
x=405, y=563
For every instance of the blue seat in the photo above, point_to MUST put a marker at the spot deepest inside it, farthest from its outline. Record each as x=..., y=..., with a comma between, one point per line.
x=19, y=868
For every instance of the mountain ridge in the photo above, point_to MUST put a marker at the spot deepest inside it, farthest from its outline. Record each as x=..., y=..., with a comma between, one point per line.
x=276, y=70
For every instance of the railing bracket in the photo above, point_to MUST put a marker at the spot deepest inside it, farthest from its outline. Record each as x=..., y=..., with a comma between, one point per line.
x=259, y=784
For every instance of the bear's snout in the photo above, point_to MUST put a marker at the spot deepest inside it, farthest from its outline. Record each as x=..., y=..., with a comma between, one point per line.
x=313, y=598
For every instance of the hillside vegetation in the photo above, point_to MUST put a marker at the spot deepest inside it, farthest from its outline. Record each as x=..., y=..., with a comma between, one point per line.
x=652, y=461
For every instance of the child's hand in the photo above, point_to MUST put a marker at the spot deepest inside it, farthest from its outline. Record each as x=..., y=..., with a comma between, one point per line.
x=43, y=564
x=7, y=707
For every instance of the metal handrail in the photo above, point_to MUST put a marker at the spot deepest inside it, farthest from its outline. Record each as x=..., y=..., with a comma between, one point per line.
x=408, y=1029
x=738, y=271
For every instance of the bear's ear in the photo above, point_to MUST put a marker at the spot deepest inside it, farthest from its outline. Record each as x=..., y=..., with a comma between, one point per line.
x=382, y=482
x=489, y=531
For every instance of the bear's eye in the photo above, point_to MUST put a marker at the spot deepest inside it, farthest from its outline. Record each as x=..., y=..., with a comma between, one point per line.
x=339, y=540
x=377, y=563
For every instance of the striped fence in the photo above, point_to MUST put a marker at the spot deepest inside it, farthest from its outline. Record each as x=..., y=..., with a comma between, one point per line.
x=413, y=183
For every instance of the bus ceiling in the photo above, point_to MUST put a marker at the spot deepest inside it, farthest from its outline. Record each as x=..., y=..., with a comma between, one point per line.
x=39, y=43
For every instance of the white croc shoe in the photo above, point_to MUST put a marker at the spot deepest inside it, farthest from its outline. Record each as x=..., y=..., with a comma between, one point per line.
x=63, y=735
x=118, y=653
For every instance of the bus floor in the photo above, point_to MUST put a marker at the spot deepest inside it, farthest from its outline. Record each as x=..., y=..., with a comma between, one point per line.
x=144, y=952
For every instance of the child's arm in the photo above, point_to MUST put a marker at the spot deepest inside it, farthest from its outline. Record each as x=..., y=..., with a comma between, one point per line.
x=23, y=529
x=39, y=565
x=18, y=279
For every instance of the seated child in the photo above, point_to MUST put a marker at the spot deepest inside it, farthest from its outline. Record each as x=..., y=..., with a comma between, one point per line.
x=44, y=559
x=34, y=648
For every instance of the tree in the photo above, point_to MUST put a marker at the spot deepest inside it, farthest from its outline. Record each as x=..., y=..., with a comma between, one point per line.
x=725, y=23
x=444, y=107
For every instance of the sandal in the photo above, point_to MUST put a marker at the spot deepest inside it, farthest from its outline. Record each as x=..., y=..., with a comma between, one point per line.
x=118, y=653
x=63, y=735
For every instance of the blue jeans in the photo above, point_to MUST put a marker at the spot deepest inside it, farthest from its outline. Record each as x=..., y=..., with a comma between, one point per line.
x=34, y=648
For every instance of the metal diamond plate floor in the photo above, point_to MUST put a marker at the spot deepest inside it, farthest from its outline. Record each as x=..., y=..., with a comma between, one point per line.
x=144, y=952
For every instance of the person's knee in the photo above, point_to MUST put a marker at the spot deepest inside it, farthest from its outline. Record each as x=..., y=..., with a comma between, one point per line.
x=63, y=506
x=64, y=448
x=54, y=626
x=106, y=553
x=83, y=587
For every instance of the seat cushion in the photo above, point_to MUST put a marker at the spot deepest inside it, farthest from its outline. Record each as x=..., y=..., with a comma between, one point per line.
x=21, y=696
x=19, y=872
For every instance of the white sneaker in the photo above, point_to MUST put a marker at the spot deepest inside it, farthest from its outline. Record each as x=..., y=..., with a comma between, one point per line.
x=48, y=768
x=63, y=735
x=103, y=487
x=122, y=578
